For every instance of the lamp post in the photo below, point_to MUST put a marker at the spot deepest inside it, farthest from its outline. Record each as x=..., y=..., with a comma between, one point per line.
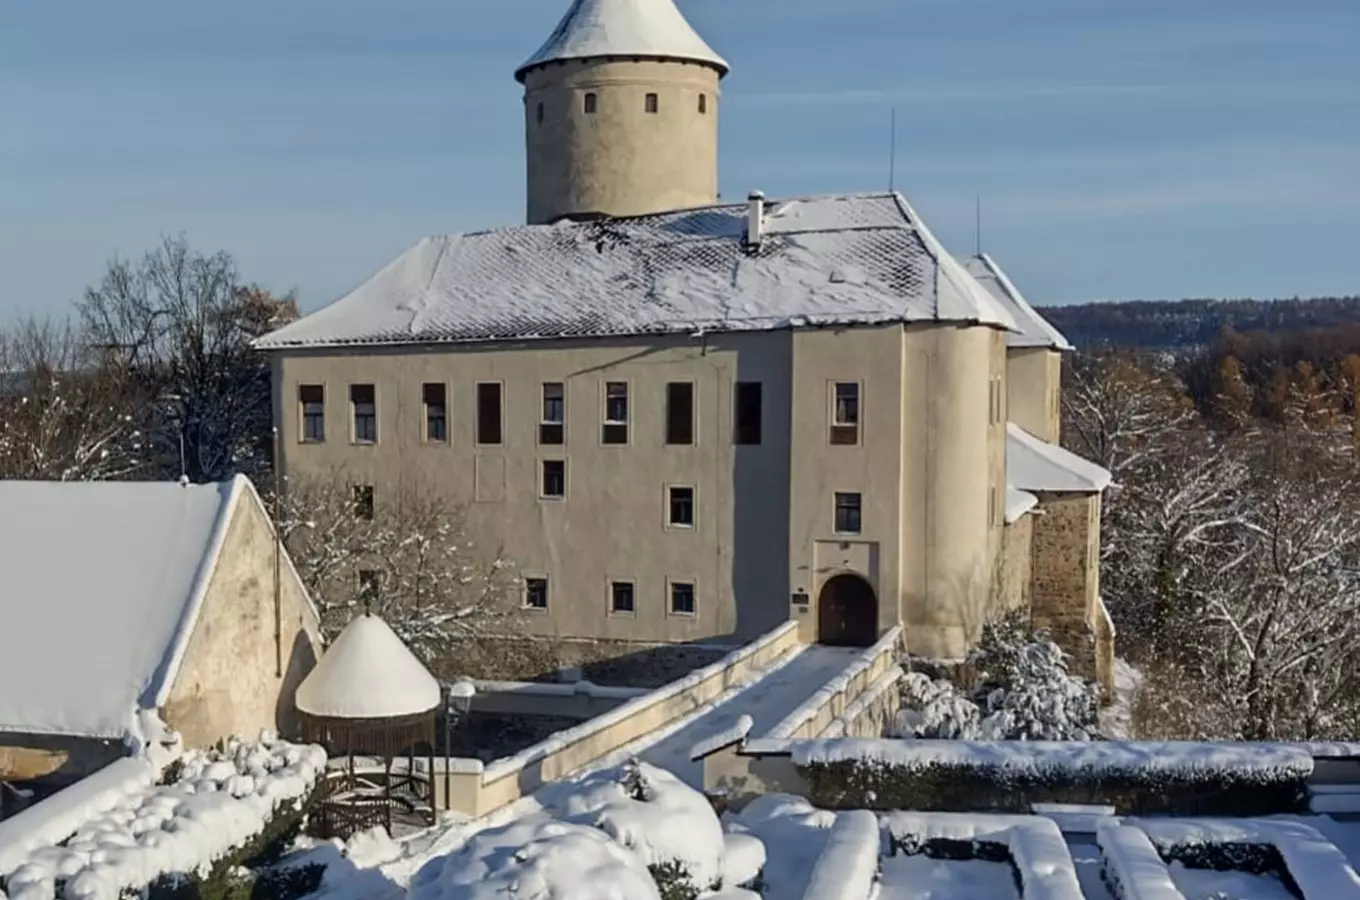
x=457, y=704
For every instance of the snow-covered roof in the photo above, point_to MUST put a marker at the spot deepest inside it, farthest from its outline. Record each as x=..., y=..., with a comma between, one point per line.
x=101, y=586
x=648, y=29
x=1018, y=503
x=1033, y=464
x=1035, y=330
x=368, y=673
x=836, y=260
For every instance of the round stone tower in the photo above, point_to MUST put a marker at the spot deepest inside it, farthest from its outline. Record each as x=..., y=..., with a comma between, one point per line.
x=621, y=113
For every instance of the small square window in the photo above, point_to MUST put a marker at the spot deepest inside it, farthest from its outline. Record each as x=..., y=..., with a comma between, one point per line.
x=312, y=401
x=621, y=598
x=590, y=104
x=653, y=103
x=554, y=479
x=370, y=586
x=536, y=593
x=553, y=426
x=363, y=502
x=845, y=413
x=848, y=513
x=682, y=599
x=615, y=413
x=703, y=104
x=680, y=513
x=435, y=398
x=363, y=400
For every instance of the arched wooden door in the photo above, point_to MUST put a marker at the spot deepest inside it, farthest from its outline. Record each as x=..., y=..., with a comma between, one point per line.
x=847, y=612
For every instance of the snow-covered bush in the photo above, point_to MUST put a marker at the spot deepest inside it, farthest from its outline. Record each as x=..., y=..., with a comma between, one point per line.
x=225, y=804
x=536, y=859
x=1024, y=693
x=669, y=825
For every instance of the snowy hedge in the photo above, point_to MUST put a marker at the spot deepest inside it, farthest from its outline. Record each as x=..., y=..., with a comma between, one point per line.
x=965, y=776
x=219, y=808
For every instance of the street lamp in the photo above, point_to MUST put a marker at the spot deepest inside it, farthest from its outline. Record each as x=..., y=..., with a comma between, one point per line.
x=457, y=703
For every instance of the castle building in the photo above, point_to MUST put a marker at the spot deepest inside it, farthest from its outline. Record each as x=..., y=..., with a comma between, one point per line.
x=687, y=420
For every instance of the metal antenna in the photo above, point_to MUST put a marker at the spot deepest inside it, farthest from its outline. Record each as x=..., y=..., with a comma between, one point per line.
x=977, y=225
x=892, y=151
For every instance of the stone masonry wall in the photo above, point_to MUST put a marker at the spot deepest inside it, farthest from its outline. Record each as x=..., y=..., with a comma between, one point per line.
x=617, y=663
x=1066, y=578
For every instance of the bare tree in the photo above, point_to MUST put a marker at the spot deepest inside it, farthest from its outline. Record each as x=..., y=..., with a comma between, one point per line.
x=414, y=557
x=179, y=324
x=62, y=418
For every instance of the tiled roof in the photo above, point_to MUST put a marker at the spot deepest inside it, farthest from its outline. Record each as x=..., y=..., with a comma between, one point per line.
x=653, y=29
x=839, y=260
x=1035, y=330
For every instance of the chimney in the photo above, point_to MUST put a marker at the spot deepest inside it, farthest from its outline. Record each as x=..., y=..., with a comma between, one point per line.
x=755, y=219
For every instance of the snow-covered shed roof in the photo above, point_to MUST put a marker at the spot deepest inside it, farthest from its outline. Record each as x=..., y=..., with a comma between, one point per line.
x=1033, y=464
x=835, y=260
x=1035, y=330
x=368, y=673
x=101, y=584
x=647, y=29
x=1018, y=503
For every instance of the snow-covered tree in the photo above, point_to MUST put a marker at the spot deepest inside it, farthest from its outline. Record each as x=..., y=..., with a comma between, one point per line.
x=61, y=418
x=1022, y=692
x=178, y=324
x=410, y=557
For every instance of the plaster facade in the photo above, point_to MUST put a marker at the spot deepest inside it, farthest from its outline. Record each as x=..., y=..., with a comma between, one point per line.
x=620, y=137
x=927, y=464
x=1034, y=390
x=235, y=679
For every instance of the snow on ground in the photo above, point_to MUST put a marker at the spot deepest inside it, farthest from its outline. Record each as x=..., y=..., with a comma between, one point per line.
x=920, y=878
x=1086, y=858
x=780, y=689
x=1116, y=720
x=794, y=834
x=1207, y=884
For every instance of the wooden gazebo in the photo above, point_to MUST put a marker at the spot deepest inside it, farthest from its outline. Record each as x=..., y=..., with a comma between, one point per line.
x=372, y=705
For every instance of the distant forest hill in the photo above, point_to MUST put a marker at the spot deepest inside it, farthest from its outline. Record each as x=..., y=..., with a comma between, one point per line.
x=1184, y=324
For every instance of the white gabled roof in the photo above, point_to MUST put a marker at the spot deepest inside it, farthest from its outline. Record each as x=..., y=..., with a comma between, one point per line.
x=826, y=261
x=1035, y=330
x=368, y=673
x=101, y=584
x=1018, y=503
x=1033, y=464
x=652, y=29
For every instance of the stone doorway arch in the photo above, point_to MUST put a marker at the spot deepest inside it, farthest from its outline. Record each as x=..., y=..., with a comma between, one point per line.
x=847, y=612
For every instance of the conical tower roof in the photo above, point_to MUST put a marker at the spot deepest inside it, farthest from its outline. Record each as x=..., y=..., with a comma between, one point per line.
x=368, y=673
x=651, y=29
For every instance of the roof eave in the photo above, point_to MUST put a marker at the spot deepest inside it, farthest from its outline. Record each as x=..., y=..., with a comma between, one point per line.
x=716, y=62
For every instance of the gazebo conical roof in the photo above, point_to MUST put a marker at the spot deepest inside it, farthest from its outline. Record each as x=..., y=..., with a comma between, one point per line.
x=368, y=673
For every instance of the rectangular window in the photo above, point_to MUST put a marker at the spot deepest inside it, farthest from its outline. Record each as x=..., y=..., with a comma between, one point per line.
x=590, y=104
x=363, y=502
x=615, y=413
x=703, y=104
x=653, y=103
x=845, y=413
x=488, y=412
x=680, y=412
x=682, y=599
x=312, y=401
x=536, y=593
x=554, y=479
x=363, y=400
x=435, y=398
x=847, y=513
x=553, y=426
x=370, y=586
x=747, y=412
x=621, y=598
x=680, y=507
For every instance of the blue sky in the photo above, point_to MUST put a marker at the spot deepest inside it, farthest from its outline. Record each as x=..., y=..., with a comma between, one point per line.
x=1143, y=148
